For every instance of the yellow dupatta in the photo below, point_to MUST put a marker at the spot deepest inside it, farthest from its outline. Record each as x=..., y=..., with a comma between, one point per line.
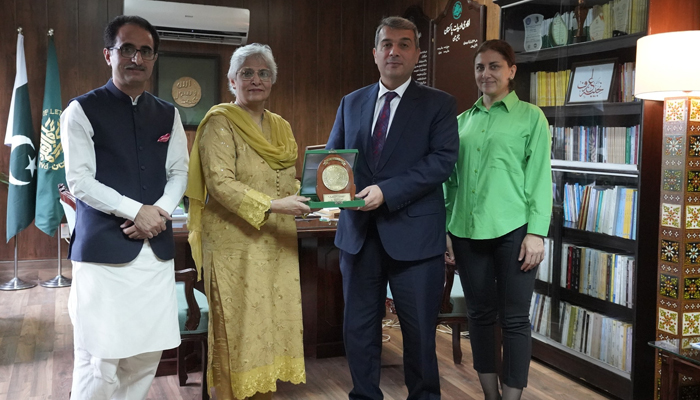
x=279, y=153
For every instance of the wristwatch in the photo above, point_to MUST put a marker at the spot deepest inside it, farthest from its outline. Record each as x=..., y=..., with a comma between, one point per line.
x=269, y=210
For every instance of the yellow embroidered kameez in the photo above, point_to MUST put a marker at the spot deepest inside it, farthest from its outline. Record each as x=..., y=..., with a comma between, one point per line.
x=251, y=275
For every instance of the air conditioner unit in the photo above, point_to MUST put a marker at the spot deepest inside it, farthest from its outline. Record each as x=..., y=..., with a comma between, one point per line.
x=193, y=22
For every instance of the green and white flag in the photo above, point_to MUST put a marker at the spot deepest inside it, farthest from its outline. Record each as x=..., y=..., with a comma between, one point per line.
x=22, y=189
x=51, y=168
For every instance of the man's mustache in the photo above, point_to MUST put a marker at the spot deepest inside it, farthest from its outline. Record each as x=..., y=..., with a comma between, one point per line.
x=136, y=67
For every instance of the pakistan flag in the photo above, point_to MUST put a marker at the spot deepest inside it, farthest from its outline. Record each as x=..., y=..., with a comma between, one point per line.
x=51, y=168
x=22, y=187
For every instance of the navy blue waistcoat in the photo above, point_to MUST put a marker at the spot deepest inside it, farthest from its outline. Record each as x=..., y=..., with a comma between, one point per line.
x=130, y=160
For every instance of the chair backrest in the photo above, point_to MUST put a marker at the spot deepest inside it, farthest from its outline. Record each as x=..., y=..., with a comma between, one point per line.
x=189, y=277
x=68, y=204
x=66, y=196
x=446, y=304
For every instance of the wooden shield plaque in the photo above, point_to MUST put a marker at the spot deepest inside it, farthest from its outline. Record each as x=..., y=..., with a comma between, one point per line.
x=334, y=180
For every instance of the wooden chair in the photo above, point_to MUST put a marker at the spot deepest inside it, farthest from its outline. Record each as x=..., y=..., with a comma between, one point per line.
x=195, y=327
x=453, y=311
x=193, y=318
x=452, y=300
x=68, y=203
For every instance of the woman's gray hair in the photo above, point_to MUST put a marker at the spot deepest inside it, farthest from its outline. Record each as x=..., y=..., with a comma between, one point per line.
x=252, y=50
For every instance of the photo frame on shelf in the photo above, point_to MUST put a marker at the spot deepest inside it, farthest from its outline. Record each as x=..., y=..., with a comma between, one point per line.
x=190, y=82
x=592, y=82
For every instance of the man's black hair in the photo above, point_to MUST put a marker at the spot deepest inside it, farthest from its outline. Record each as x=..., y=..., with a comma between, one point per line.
x=110, y=36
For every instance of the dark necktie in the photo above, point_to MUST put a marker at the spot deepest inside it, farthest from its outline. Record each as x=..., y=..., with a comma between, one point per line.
x=380, y=128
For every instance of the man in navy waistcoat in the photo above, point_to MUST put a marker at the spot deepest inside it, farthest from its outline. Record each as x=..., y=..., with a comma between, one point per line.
x=126, y=163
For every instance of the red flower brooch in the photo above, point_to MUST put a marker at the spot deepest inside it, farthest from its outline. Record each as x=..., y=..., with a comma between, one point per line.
x=164, y=138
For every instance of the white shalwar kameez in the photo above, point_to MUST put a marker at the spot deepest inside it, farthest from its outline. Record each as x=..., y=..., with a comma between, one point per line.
x=120, y=310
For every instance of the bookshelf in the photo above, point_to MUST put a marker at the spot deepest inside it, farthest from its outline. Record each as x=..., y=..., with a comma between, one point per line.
x=593, y=337
x=587, y=110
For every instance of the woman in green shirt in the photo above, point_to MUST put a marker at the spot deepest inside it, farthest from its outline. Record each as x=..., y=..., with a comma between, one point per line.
x=499, y=203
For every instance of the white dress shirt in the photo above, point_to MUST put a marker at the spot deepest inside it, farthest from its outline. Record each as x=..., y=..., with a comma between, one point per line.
x=394, y=103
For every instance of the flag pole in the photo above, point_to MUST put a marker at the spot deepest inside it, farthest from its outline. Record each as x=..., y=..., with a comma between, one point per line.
x=59, y=280
x=21, y=191
x=16, y=283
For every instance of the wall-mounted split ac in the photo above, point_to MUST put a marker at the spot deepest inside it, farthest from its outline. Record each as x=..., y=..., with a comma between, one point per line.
x=193, y=22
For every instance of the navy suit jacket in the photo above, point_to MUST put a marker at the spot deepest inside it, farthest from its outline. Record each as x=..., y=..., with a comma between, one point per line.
x=419, y=155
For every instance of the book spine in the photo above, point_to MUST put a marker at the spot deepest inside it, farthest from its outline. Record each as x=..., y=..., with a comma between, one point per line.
x=569, y=263
x=608, y=277
x=577, y=270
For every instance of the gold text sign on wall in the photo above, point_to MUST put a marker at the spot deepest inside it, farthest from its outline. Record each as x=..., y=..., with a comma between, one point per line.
x=186, y=92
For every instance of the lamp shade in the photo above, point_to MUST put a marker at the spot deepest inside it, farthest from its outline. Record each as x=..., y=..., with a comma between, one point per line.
x=668, y=65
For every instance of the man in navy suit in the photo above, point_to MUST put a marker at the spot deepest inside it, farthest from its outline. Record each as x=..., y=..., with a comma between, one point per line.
x=407, y=148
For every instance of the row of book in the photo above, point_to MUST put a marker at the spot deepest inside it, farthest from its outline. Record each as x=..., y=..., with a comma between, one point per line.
x=615, y=18
x=638, y=15
x=603, y=209
x=606, y=276
x=540, y=314
x=544, y=270
x=618, y=17
x=603, y=144
x=625, y=76
x=549, y=88
x=597, y=336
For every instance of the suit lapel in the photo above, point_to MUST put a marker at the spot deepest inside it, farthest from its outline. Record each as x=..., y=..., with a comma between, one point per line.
x=366, y=117
x=399, y=122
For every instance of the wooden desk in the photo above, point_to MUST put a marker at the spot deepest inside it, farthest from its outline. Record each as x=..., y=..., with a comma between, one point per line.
x=321, y=285
x=321, y=289
x=674, y=361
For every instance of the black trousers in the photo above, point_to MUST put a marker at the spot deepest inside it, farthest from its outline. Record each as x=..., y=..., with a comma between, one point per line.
x=417, y=288
x=495, y=287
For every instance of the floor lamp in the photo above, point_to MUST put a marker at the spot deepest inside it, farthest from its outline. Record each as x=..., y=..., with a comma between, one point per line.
x=668, y=70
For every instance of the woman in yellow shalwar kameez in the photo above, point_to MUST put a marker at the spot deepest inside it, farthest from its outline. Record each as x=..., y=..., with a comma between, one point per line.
x=242, y=204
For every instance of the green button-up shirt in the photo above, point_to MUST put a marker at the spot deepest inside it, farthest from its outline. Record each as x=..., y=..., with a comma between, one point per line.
x=503, y=176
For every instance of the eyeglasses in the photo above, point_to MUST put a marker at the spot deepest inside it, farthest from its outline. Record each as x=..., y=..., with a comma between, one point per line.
x=248, y=74
x=129, y=51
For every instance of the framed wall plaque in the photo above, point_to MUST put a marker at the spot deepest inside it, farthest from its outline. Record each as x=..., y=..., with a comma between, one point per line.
x=592, y=82
x=421, y=72
x=190, y=82
x=457, y=33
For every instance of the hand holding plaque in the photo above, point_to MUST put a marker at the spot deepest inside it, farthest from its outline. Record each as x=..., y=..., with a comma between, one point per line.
x=334, y=180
